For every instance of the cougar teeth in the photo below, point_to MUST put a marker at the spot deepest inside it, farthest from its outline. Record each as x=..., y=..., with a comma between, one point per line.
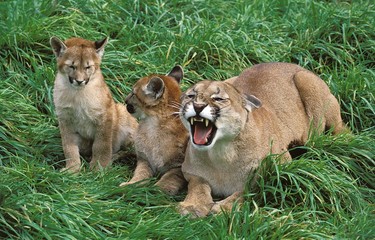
x=193, y=119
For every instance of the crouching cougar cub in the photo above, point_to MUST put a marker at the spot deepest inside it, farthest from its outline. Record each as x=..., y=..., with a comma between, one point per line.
x=236, y=123
x=90, y=122
x=161, y=139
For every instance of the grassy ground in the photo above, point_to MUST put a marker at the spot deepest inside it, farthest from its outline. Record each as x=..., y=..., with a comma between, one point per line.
x=326, y=193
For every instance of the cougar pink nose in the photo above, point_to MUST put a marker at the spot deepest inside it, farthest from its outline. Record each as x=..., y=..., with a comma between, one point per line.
x=198, y=107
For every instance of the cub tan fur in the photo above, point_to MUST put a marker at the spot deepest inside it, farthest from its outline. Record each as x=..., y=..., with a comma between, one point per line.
x=161, y=139
x=90, y=122
x=235, y=124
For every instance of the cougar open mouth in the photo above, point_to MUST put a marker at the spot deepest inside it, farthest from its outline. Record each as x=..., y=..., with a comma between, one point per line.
x=203, y=130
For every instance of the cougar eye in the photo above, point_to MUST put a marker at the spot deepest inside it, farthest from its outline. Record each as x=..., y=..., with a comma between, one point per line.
x=217, y=99
x=88, y=67
x=72, y=67
x=190, y=95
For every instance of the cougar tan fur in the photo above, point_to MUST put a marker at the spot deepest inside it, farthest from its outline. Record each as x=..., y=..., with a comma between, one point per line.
x=90, y=122
x=236, y=123
x=161, y=139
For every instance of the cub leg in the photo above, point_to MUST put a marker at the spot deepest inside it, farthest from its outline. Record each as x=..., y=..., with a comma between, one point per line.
x=142, y=171
x=226, y=205
x=172, y=181
x=102, y=148
x=198, y=201
x=70, y=141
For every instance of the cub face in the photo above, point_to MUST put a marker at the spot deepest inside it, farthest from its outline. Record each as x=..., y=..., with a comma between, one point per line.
x=214, y=111
x=78, y=59
x=152, y=95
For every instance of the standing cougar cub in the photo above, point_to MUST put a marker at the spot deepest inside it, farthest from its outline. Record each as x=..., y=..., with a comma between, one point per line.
x=161, y=139
x=235, y=124
x=90, y=121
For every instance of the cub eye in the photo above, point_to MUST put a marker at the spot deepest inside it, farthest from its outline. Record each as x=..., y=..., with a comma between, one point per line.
x=88, y=67
x=72, y=67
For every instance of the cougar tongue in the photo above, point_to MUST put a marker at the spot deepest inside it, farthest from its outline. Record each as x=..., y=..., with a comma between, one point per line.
x=201, y=133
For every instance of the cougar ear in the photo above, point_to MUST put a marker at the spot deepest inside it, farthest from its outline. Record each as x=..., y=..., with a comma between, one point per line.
x=177, y=73
x=155, y=87
x=58, y=46
x=100, y=45
x=251, y=102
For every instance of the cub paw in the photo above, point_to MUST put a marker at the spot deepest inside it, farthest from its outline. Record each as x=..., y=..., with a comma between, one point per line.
x=227, y=205
x=216, y=209
x=126, y=183
x=138, y=182
x=194, y=210
x=169, y=189
x=73, y=170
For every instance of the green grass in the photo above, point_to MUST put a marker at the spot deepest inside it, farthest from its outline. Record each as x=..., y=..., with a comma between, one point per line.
x=326, y=193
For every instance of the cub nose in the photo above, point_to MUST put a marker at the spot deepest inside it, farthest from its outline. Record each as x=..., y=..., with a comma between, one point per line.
x=71, y=80
x=79, y=82
x=130, y=108
x=128, y=97
x=198, y=107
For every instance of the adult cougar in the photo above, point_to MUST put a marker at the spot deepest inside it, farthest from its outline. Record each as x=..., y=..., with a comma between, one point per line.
x=235, y=124
x=90, y=121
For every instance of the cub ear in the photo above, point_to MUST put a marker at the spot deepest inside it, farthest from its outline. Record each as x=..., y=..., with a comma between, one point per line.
x=251, y=102
x=177, y=73
x=100, y=45
x=154, y=87
x=58, y=46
